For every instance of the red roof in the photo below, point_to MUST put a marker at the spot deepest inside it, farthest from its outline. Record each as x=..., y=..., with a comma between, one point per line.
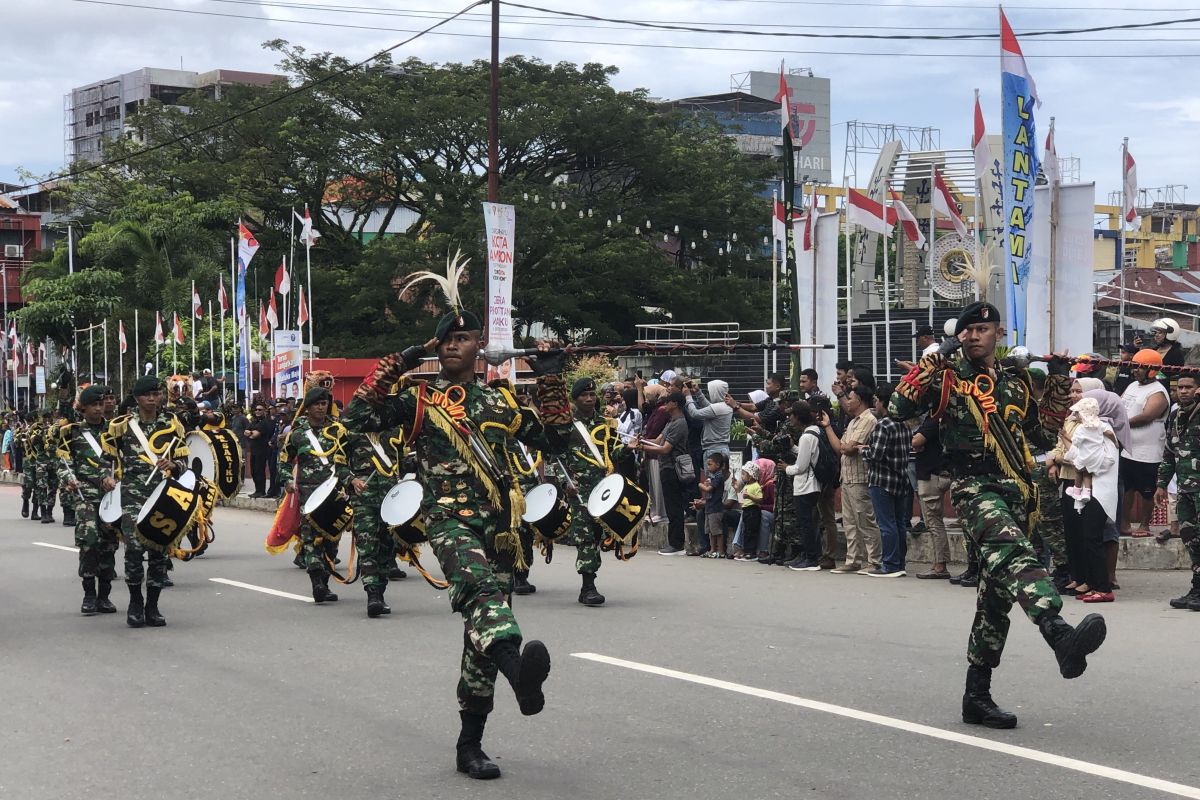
x=1151, y=287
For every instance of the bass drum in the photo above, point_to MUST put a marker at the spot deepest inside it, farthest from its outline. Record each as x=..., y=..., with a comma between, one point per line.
x=401, y=512
x=327, y=509
x=220, y=458
x=619, y=505
x=169, y=513
x=110, y=506
x=547, y=512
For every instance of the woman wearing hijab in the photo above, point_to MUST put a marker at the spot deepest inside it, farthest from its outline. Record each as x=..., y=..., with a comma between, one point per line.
x=655, y=420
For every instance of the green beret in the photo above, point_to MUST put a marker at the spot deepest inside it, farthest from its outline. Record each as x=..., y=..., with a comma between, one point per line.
x=788, y=396
x=584, y=384
x=452, y=323
x=92, y=394
x=316, y=395
x=976, y=313
x=146, y=384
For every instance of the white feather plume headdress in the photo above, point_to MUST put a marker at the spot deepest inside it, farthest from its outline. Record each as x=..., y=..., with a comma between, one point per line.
x=448, y=283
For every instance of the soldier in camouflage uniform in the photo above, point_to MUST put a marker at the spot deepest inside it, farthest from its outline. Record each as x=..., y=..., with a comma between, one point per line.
x=164, y=436
x=779, y=446
x=313, y=451
x=987, y=420
x=48, y=464
x=22, y=439
x=1180, y=460
x=34, y=468
x=375, y=461
x=594, y=448
x=461, y=431
x=85, y=472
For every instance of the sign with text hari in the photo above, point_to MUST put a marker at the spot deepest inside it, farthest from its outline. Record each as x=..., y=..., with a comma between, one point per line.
x=500, y=222
x=1018, y=98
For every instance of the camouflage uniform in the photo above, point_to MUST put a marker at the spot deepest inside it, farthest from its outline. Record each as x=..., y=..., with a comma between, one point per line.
x=1180, y=459
x=78, y=461
x=469, y=494
x=35, y=441
x=47, y=464
x=312, y=472
x=586, y=473
x=1049, y=534
x=24, y=438
x=992, y=488
x=165, y=435
x=373, y=541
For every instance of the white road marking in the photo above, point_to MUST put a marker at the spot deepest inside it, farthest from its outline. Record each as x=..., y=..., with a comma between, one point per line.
x=57, y=546
x=1085, y=767
x=262, y=589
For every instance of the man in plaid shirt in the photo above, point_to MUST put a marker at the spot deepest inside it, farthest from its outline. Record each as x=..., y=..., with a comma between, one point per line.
x=886, y=455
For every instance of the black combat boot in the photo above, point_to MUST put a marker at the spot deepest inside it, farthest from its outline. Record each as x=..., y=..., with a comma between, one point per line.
x=1072, y=646
x=471, y=758
x=103, y=604
x=320, y=588
x=37, y=512
x=375, y=603
x=969, y=578
x=25, y=506
x=588, y=594
x=978, y=708
x=153, y=618
x=521, y=584
x=88, y=608
x=68, y=517
x=395, y=573
x=526, y=671
x=47, y=515
x=299, y=561
x=135, y=617
x=1192, y=597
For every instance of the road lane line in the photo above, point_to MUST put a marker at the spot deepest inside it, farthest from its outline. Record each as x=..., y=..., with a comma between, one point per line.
x=1088, y=768
x=57, y=546
x=265, y=590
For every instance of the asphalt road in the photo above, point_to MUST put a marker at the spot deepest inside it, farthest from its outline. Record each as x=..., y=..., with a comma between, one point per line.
x=251, y=695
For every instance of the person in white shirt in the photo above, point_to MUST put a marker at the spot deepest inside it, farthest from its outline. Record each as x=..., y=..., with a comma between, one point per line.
x=806, y=489
x=1146, y=404
x=927, y=343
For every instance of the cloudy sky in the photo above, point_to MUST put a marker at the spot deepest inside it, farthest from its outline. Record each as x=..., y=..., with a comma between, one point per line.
x=1100, y=86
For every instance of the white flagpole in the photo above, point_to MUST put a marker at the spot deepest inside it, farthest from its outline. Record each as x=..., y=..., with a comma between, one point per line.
x=887, y=304
x=291, y=262
x=849, y=272
x=223, y=344
x=107, y=377
x=929, y=266
x=312, y=343
x=157, y=346
x=978, y=216
x=774, y=283
x=1121, y=232
x=192, y=325
x=211, y=357
x=91, y=357
x=71, y=271
x=814, y=218
x=137, y=356
x=287, y=271
x=174, y=342
x=120, y=363
x=234, y=306
x=1054, y=187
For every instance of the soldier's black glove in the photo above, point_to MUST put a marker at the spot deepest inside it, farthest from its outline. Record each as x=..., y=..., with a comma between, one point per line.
x=548, y=362
x=411, y=356
x=1057, y=365
x=948, y=346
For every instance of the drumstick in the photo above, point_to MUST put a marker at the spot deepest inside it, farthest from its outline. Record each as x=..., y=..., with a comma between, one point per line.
x=155, y=472
x=67, y=464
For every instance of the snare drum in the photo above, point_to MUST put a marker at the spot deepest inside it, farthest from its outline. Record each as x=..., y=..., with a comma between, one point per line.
x=220, y=458
x=110, y=506
x=547, y=511
x=327, y=508
x=401, y=512
x=169, y=513
x=619, y=506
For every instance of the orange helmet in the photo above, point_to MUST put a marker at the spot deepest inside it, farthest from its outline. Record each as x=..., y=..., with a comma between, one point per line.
x=1149, y=358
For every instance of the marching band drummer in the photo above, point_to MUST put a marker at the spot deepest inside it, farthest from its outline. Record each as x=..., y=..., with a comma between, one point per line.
x=85, y=471
x=461, y=430
x=314, y=449
x=375, y=461
x=144, y=442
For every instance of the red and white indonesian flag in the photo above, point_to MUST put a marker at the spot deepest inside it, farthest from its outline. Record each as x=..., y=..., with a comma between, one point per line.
x=178, y=330
x=308, y=234
x=944, y=203
x=272, y=313
x=302, y=315
x=222, y=298
x=809, y=221
x=867, y=213
x=1131, y=189
x=247, y=246
x=778, y=226
x=283, y=281
x=908, y=223
x=197, y=306
x=159, y=336
x=983, y=154
x=1012, y=60
x=121, y=336
x=264, y=329
x=1050, y=162
x=14, y=341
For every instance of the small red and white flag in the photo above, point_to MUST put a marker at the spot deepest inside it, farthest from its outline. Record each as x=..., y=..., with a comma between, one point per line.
x=29, y=354
x=302, y=315
x=308, y=234
x=1050, y=162
x=264, y=329
x=121, y=337
x=778, y=227
x=283, y=281
x=41, y=352
x=944, y=204
x=908, y=222
x=867, y=213
x=1130, y=183
x=807, y=241
x=983, y=154
x=1012, y=60
x=178, y=330
x=197, y=306
x=222, y=298
x=247, y=246
x=159, y=337
x=14, y=341
x=272, y=313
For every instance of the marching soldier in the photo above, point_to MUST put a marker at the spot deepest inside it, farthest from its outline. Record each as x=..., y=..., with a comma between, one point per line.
x=85, y=471
x=314, y=450
x=21, y=441
x=35, y=441
x=988, y=419
x=461, y=430
x=375, y=461
x=1179, y=460
x=146, y=441
x=589, y=460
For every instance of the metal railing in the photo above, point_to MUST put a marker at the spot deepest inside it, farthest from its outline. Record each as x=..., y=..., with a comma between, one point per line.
x=690, y=333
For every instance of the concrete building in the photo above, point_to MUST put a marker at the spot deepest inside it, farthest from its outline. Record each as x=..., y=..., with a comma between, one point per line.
x=97, y=113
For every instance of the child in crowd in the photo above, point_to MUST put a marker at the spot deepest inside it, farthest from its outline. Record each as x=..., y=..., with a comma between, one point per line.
x=752, y=506
x=712, y=491
x=1087, y=452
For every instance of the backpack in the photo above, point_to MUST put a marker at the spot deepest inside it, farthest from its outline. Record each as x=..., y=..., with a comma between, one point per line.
x=828, y=467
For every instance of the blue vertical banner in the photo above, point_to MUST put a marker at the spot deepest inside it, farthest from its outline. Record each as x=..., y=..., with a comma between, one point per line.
x=247, y=246
x=1018, y=97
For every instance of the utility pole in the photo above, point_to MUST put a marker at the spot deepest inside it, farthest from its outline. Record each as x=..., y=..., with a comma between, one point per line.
x=493, y=189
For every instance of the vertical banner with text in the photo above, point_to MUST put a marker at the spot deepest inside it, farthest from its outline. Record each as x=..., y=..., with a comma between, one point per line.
x=500, y=222
x=286, y=369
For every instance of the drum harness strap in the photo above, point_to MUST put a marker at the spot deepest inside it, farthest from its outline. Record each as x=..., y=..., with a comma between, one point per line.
x=352, y=573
